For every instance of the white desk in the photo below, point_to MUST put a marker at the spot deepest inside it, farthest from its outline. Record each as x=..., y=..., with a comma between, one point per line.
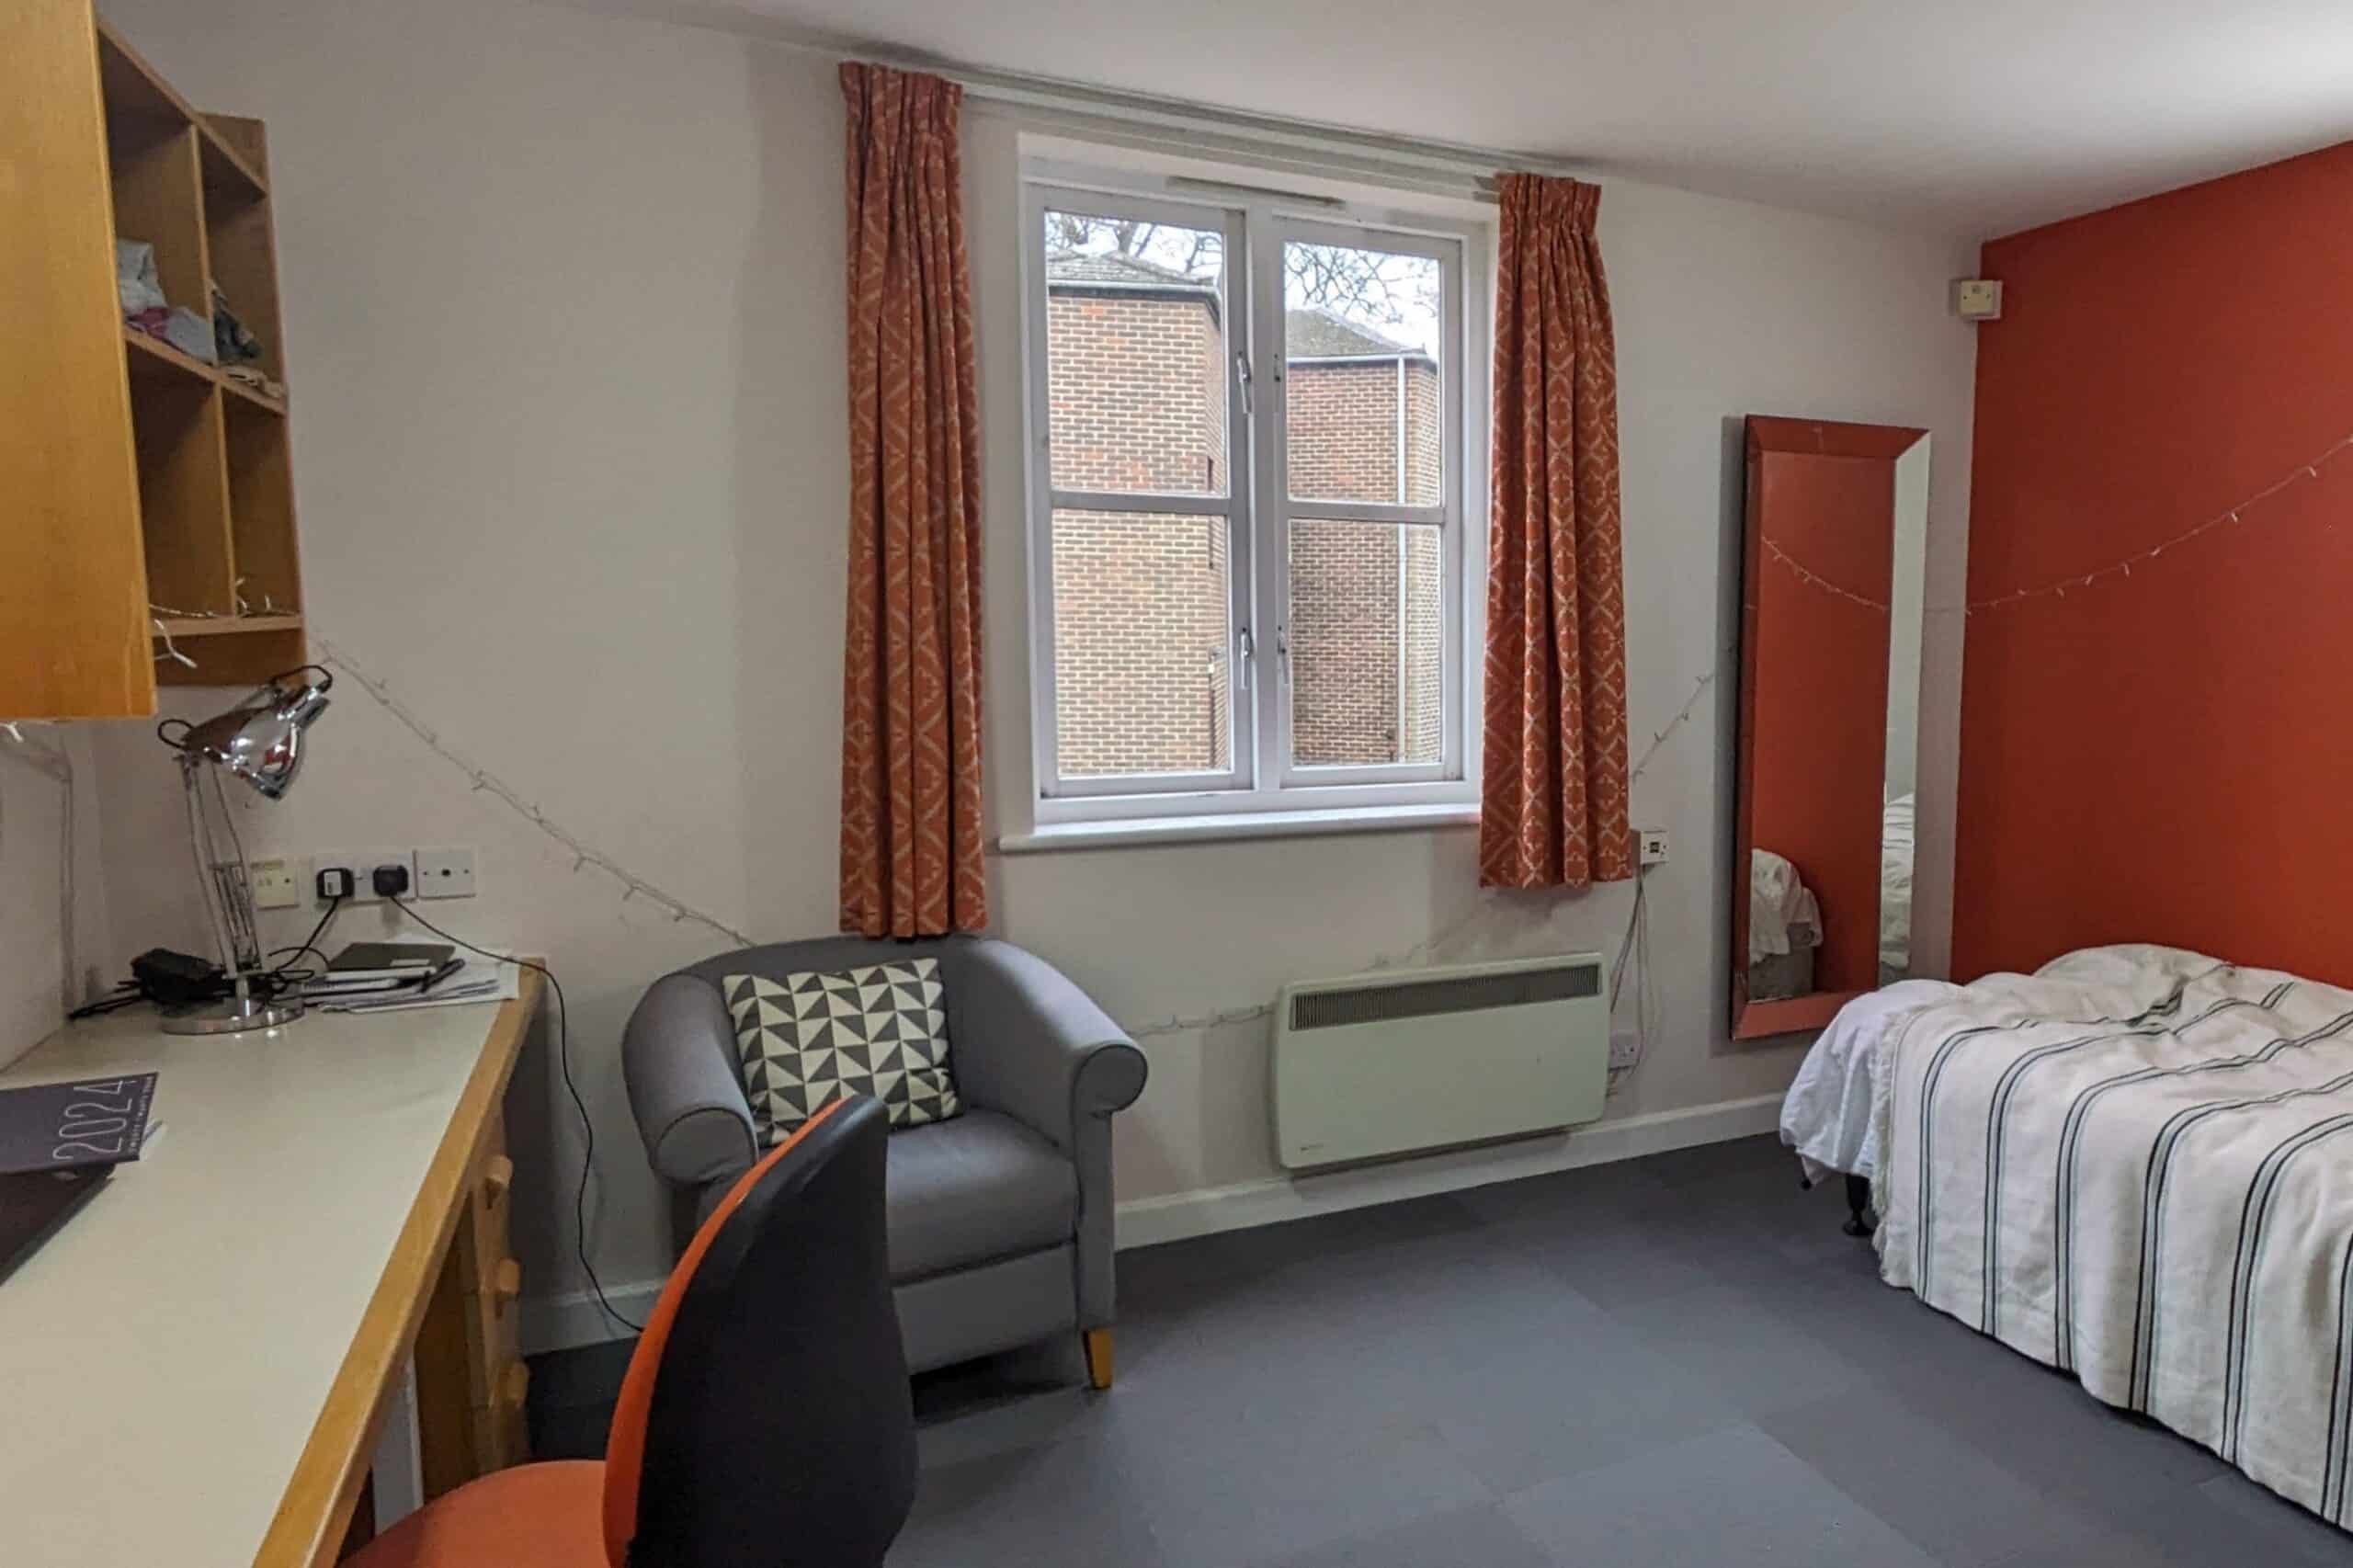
x=193, y=1370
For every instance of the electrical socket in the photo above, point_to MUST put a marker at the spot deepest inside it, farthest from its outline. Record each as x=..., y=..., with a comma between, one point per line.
x=1653, y=841
x=1625, y=1048
x=360, y=863
x=445, y=873
x=274, y=885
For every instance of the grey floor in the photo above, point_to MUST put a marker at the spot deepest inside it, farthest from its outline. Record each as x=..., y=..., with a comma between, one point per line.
x=1670, y=1361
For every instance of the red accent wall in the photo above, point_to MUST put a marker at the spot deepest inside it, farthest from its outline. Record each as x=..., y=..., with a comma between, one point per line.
x=1821, y=693
x=2169, y=756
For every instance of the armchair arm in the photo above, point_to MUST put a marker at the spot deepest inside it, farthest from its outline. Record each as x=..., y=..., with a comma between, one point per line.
x=1030, y=1043
x=677, y=1057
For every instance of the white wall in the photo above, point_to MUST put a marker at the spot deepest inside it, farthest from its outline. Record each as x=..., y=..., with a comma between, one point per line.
x=52, y=900
x=564, y=308
x=565, y=326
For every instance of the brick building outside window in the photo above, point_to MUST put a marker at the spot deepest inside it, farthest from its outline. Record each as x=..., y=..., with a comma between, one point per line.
x=1137, y=397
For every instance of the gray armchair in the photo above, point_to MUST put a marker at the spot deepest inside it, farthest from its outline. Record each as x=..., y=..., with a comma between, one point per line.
x=1000, y=1219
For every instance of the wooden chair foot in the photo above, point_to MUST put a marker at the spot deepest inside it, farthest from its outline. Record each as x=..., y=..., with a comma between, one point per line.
x=1098, y=1342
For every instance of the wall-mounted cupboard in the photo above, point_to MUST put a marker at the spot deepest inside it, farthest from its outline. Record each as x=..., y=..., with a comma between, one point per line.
x=144, y=452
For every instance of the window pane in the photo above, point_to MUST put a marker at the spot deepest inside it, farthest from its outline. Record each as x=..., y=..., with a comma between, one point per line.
x=1135, y=355
x=1141, y=641
x=1361, y=395
x=1368, y=628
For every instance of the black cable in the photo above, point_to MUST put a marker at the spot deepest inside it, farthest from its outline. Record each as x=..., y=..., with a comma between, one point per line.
x=587, y=1128
x=310, y=943
x=129, y=995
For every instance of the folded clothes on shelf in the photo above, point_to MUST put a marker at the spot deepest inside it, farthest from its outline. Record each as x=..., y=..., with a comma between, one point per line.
x=134, y=278
x=183, y=329
x=237, y=344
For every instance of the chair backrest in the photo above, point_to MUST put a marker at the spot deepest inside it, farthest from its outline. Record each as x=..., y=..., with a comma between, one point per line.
x=765, y=1419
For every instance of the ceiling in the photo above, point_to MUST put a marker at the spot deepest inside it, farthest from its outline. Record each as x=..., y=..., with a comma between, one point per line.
x=1972, y=121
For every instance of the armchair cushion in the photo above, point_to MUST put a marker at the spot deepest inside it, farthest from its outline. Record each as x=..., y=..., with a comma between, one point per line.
x=813, y=1036
x=980, y=1187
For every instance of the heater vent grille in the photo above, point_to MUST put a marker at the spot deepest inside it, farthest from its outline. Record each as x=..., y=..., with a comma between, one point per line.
x=1451, y=993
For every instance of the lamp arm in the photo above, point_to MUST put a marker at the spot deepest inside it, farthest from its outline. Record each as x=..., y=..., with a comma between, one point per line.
x=192, y=792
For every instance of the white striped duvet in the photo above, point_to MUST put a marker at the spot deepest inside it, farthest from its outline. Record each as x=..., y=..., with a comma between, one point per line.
x=2137, y=1166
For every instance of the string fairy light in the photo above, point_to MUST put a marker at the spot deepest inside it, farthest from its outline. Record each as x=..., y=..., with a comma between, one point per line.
x=488, y=783
x=2057, y=587
x=1813, y=579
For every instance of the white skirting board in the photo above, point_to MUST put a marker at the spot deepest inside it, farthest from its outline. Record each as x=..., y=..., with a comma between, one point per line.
x=1144, y=1222
x=559, y=1322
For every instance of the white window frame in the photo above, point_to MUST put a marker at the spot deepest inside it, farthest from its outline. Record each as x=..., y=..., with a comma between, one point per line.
x=1264, y=782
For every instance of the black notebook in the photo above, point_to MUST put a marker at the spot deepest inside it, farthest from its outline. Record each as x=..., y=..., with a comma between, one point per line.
x=33, y=1204
x=92, y=1121
x=378, y=959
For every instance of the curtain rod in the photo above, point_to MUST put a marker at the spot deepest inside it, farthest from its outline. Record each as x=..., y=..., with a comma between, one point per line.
x=1357, y=149
x=1307, y=147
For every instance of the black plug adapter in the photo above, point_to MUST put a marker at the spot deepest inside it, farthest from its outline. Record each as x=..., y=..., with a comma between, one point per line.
x=390, y=881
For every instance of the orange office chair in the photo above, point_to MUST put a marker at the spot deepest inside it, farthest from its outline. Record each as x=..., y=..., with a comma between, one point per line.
x=765, y=1419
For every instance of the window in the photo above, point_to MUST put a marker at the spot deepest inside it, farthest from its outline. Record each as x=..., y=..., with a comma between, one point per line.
x=1247, y=503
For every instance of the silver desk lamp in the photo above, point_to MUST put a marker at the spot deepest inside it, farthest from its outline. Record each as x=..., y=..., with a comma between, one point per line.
x=259, y=741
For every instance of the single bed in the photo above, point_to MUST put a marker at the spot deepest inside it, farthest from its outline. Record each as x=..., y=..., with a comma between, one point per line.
x=2136, y=1165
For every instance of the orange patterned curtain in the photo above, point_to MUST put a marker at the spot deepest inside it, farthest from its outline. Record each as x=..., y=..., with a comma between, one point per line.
x=1554, y=785
x=911, y=689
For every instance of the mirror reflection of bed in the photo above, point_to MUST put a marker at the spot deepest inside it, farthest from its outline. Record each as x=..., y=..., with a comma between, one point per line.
x=1835, y=553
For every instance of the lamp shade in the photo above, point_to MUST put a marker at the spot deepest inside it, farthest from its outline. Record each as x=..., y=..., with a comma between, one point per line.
x=260, y=740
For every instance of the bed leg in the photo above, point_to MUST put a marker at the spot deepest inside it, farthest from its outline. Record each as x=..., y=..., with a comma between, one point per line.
x=1859, y=1205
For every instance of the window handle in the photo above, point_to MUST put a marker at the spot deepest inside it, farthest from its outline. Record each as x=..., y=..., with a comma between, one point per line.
x=1248, y=656
x=1242, y=369
x=1282, y=653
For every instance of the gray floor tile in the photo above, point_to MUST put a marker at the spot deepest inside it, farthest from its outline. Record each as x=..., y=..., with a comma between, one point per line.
x=1729, y=1496
x=1066, y=1506
x=1027, y=1416
x=1468, y=1538
x=2228, y=1522
x=1667, y=1360
x=2108, y=1548
x=2230, y=1510
x=1255, y=1491
x=1607, y=1256
x=1941, y=1493
x=1736, y=1162
x=2041, y=1427
x=1530, y=1409
x=1720, y=1338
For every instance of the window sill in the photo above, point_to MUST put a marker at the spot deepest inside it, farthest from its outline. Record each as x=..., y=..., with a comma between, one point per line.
x=1236, y=825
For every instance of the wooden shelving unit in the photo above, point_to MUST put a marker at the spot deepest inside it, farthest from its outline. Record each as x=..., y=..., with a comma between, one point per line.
x=146, y=477
x=216, y=486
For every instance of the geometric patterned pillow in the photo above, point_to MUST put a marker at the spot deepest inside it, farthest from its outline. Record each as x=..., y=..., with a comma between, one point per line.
x=813, y=1037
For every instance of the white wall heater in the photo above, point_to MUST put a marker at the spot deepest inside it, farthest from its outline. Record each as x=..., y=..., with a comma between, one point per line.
x=1379, y=1065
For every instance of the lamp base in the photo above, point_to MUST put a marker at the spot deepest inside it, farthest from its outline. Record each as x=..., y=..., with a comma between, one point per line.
x=233, y=1014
